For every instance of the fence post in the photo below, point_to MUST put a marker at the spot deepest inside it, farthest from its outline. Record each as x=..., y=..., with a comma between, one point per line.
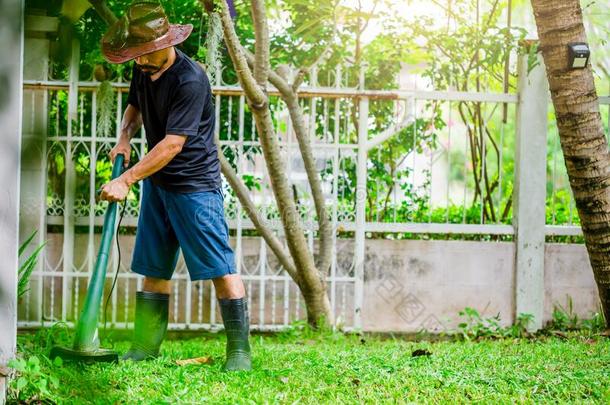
x=529, y=217
x=70, y=187
x=359, y=254
x=11, y=81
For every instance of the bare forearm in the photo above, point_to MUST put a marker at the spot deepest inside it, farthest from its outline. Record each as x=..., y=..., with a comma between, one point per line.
x=131, y=123
x=155, y=160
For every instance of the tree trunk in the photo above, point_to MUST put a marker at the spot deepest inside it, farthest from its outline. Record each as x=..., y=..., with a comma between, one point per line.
x=580, y=131
x=288, y=93
x=103, y=11
x=311, y=282
x=315, y=182
x=318, y=306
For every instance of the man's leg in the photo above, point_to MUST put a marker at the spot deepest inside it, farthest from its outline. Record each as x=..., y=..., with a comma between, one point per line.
x=157, y=285
x=152, y=313
x=155, y=256
x=229, y=286
x=234, y=309
x=200, y=226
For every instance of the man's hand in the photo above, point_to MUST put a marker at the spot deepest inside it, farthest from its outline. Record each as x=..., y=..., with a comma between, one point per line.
x=116, y=190
x=122, y=147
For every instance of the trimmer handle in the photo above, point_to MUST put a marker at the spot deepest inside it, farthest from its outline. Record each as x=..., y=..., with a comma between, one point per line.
x=117, y=168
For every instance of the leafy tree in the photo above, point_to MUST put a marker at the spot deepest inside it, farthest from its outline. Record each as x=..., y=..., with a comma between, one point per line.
x=472, y=53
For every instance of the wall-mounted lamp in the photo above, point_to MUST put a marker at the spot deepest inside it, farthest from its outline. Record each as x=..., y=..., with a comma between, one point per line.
x=579, y=55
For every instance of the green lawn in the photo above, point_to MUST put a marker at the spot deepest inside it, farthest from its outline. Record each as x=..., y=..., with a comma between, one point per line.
x=307, y=368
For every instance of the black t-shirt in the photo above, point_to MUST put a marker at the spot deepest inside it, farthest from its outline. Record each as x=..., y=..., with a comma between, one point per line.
x=180, y=103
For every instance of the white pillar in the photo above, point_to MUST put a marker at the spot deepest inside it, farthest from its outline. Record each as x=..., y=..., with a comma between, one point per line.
x=32, y=211
x=11, y=82
x=70, y=188
x=530, y=190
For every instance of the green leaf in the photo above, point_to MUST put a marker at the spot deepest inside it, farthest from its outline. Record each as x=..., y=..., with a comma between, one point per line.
x=34, y=361
x=42, y=386
x=17, y=364
x=25, y=270
x=22, y=382
x=25, y=244
x=308, y=25
x=58, y=362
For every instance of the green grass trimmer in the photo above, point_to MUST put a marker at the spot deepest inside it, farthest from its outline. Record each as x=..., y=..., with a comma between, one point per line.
x=86, y=347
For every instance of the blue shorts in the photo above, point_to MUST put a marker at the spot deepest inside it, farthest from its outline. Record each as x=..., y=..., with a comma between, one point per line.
x=193, y=222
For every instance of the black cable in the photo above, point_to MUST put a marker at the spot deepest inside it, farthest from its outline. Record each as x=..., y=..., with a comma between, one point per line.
x=118, y=266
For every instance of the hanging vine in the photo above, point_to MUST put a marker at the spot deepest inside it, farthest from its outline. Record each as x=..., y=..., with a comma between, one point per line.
x=106, y=102
x=212, y=44
x=105, y=109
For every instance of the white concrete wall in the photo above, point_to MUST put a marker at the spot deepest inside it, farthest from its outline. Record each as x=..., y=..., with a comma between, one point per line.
x=414, y=284
x=568, y=276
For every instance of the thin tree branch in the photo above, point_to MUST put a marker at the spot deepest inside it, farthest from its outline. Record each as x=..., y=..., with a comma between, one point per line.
x=363, y=28
x=450, y=12
x=278, y=81
x=275, y=167
x=507, y=208
x=254, y=93
x=298, y=80
x=103, y=11
x=261, y=45
x=507, y=60
x=313, y=176
x=473, y=149
x=268, y=141
x=390, y=189
x=481, y=35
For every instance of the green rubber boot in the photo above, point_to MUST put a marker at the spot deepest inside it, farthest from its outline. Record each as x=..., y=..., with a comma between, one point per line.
x=152, y=311
x=237, y=327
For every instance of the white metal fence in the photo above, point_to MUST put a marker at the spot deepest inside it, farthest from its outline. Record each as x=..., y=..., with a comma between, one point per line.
x=562, y=218
x=431, y=188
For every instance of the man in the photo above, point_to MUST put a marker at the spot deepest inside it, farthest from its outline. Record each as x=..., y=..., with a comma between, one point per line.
x=182, y=201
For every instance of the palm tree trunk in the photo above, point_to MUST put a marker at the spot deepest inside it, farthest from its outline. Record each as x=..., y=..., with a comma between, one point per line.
x=580, y=131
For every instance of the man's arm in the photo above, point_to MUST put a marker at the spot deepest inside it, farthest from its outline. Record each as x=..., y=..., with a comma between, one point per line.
x=156, y=159
x=152, y=162
x=131, y=123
